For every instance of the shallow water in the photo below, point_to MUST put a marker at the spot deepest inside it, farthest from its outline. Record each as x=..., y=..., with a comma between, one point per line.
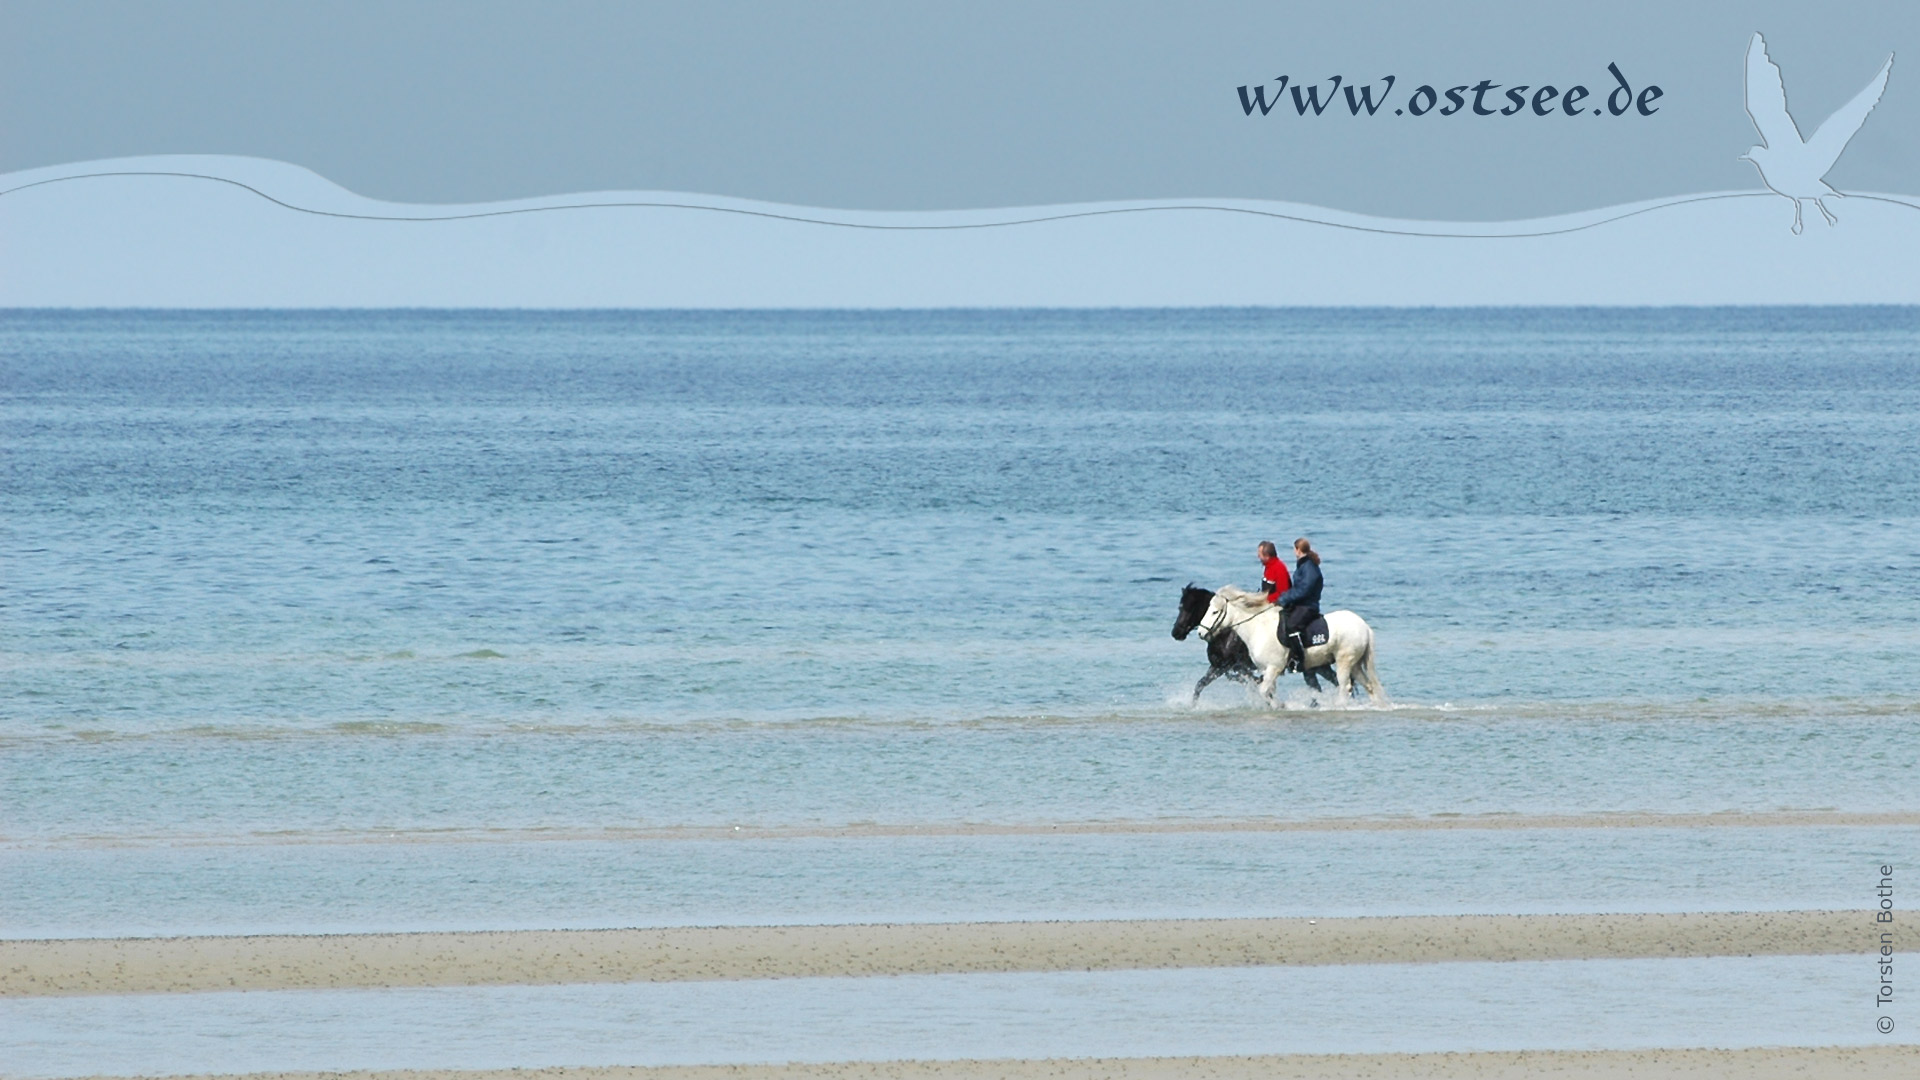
x=1584, y=1004
x=273, y=586
x=370, y=886
x=1301, y=766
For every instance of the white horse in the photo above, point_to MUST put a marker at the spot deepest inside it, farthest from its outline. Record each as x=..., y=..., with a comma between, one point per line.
x=1349, y=644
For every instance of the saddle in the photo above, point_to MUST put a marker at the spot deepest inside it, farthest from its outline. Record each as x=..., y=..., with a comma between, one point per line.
x=1312, y=634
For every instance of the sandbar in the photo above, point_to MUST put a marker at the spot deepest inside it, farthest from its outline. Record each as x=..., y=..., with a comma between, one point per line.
x=35, y=968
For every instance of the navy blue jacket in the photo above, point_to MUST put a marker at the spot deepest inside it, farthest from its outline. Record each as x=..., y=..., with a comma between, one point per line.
x=1306, y=586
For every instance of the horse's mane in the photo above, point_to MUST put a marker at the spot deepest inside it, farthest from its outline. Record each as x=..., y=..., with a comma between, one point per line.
x=1234, y=594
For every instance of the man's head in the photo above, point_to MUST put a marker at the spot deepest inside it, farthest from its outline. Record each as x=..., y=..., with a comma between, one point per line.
x=1267, y=550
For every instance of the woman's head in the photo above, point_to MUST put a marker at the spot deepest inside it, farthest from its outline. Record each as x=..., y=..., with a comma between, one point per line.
x=1267, y=550
x=1305, y=550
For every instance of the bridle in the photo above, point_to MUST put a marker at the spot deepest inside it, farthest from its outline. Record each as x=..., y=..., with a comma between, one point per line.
x=1220, y=621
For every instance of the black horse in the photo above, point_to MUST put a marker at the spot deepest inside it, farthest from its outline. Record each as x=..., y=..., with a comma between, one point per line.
x=1226, y=653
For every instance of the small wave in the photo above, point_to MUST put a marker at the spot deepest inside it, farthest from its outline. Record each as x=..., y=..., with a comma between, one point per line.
x=388, y=727
x=480, y=654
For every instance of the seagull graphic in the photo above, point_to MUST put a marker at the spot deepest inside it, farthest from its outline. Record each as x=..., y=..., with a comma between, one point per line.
x=1790, y=165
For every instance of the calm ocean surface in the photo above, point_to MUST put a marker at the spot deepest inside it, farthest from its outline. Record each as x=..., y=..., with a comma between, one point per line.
x=398, y=620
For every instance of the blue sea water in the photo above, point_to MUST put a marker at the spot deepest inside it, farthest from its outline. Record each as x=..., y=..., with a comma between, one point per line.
x=285, y=594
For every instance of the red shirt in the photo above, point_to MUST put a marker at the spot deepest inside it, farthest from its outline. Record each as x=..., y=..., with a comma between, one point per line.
x=1275, y=574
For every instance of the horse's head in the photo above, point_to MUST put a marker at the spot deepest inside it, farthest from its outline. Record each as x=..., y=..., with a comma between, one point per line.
x=1193, y=607
x=1219, y=616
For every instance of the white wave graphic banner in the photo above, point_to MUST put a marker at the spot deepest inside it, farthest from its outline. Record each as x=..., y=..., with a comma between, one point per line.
x=211, y=231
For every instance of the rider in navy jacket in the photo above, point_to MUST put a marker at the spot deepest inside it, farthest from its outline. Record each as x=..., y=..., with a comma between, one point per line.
x=1305, y=591
x=1300, y=604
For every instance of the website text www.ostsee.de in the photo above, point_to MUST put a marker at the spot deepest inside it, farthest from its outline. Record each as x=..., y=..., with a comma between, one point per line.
x=1483, y=98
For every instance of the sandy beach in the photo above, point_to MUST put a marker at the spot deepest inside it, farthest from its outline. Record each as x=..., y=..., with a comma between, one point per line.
x=1771, y=1063
x=546, y=957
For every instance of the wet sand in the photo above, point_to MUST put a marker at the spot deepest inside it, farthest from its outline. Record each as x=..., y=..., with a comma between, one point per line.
x=30, y=968
x=1774, y=1063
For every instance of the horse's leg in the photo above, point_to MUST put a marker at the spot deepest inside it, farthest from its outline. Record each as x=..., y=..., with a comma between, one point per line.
x=1267, y=681
x=1343, y=670
x=1312, y=682
x=1205, y=680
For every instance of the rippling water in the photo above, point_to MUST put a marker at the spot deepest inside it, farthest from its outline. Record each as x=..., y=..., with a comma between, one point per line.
x=291, y=579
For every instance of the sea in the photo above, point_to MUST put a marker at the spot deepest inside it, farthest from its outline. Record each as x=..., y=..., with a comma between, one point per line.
x=364, y=621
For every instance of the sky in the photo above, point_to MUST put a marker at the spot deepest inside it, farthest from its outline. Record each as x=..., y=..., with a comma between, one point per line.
x=915, y=111
x=924, y=106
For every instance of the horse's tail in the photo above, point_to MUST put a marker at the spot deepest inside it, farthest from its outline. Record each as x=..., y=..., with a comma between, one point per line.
x=1369, y=676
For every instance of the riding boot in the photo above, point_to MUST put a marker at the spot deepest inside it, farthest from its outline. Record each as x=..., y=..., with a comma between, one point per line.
x=1293, y=626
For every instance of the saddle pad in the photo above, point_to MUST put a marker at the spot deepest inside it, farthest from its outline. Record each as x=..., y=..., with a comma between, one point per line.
x=1314, y=633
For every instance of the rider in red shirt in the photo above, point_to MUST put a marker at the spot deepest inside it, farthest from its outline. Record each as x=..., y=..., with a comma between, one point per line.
x=1274, y=577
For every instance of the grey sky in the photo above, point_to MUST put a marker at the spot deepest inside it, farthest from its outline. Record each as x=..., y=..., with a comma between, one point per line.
x=923, y=106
